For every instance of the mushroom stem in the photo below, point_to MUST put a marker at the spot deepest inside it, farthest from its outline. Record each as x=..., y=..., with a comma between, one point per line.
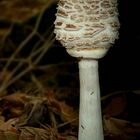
x=90, y=120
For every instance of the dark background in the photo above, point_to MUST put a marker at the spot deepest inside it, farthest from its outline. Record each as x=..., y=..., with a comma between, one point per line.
x=119, y=69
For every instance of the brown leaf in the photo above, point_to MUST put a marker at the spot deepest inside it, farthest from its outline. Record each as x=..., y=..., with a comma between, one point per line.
x=66, y=111
x=116, y=105
x=8, y=125
x=1, y=120
x=123, y=128
x=16, y=99
x=13, y=105
x=37, y=133
x=8, y=135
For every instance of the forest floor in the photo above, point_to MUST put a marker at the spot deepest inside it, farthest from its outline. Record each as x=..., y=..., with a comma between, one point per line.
x=52, y=112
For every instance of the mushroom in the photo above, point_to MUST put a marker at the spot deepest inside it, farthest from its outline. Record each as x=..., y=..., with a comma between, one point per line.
x=88, y=28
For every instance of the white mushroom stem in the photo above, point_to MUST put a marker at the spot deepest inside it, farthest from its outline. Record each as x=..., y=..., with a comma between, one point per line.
x=88, y=28
x=90, y=120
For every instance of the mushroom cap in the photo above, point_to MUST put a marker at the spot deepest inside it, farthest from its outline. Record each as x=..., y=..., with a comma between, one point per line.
x=87, y=28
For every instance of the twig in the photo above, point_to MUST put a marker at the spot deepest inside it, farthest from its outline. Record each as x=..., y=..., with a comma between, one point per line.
x=17, y=51
x=44, y=67
x=10, y=75
x=46, y=46
x=30, y=67
x=14, y=60
x=42, y=51
x=6, y=35
x=66, y=123
x=37, y=83
x=23, y=43
x=53, y=120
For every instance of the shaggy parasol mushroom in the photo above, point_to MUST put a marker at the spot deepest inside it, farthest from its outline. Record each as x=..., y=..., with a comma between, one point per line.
x=87, y=28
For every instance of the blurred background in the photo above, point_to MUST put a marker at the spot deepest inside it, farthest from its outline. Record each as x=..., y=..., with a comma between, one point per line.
x=119, y=69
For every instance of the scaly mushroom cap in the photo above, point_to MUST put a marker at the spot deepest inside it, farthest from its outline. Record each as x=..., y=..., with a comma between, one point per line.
x=85, y=25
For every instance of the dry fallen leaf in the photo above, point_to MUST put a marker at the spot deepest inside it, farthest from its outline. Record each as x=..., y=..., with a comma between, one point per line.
x=116, y=106
x=8, y=135
x=17, y=99
x=12, y=106
x=1, y=120
x=117, y=127
x=8, y=125
x=67, y=112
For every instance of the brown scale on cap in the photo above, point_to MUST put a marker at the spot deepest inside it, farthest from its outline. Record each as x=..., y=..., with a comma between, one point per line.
x=62, y=13
x=93, y=23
